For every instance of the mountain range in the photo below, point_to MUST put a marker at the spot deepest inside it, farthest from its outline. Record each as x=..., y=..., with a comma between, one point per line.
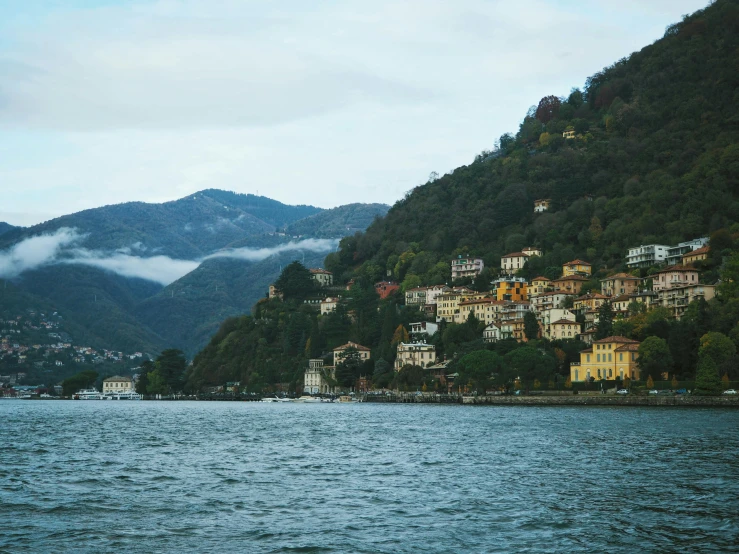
x=144, y=277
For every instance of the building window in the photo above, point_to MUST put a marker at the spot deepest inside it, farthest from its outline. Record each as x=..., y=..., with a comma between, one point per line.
x=609, y=356
x=621, y=357
x=597, y=358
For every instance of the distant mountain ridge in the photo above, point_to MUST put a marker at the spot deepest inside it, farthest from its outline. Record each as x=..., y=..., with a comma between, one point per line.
x=338, y=222
x=187, y=228
x=5, y=227
x=108, y=310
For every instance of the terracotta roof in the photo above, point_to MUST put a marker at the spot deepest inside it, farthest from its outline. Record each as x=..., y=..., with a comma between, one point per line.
x=617, y=338
x=541, y=278
x=417, y=288
x=577, y=262
x=590, y=295
x=567, y=321
x=486, y=300
x=703, y=250
x=516, y=255
x=628, y=348
x=571, y=278
x=621, y=298
x=672, y=268
x=621, y=276
x=321, y=271
x=352, y=345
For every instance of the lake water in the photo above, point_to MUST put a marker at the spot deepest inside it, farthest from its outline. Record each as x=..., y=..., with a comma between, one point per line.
x=249, y=477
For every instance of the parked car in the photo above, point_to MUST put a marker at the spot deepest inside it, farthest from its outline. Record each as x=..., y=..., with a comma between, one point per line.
x=654, y=391
x=730, y=391
x=622, y=391
x=681, y=391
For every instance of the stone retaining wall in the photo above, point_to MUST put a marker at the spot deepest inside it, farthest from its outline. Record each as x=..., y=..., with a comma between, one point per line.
x=607, y=400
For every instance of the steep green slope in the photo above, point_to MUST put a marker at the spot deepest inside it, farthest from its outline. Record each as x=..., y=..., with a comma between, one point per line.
x=98, y=305
x=188, y=312
x=338, y=222
x=657, y=152
x=654, y=158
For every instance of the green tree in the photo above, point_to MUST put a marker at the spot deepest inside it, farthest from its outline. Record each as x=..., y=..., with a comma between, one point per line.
x=347, y=370
x=400, y=335
x=707, y=382
x=478, y=367
x=143, y=382
x=527, y=364
x=654, y=357
x=156, y=383
x=82, y=380
x=716, y=346
x=530, y=326
x=171, y=365
x=605, y=321
x=295, y=282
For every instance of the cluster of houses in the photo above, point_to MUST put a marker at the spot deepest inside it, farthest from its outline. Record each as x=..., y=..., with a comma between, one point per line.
x=16, y=345
x=556, y=303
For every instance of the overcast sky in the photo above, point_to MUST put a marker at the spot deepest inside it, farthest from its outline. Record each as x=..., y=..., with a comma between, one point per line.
x=305, y=101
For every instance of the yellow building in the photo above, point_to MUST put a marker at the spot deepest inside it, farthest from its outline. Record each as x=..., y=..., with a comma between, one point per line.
x=576, y=267
x=608, y=358
x=572, y=284
x=591, y=301
x=511, y=288
x=696, y=255
x=481, y=307
x=621, y=283
x=540, y=285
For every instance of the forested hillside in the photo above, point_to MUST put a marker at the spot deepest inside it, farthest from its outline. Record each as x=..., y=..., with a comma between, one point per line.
x=119, y=304
x=656, y=150
x=646, y=152
x=338, y=222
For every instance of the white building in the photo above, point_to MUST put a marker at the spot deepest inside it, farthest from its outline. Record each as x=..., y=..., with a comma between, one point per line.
x=511, y=263
x=323, y=277
x=416, y=353
x=416, y=296
x=466, y=267
x=117, y=384
x=328, y=305
x=491, y=333
x=314, y=380
x=423, y=328
x=675, y=253
x=646, y=255
x=541, y=205
x=532, y=251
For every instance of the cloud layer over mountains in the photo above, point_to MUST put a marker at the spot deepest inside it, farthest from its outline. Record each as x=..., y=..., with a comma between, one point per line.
x=64, y=247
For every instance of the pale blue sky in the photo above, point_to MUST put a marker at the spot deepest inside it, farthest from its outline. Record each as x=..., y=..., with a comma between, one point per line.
x=324, y=102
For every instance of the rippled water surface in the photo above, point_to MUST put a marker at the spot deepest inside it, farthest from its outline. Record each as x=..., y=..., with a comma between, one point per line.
x=226, y=477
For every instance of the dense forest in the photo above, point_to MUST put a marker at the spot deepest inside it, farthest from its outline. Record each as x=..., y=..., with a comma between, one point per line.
x=646, y=152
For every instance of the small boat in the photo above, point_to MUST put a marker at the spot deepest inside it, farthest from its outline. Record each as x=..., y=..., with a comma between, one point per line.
x=309, y=400
x=88, y=394
x=270, y=399
x=345, y=398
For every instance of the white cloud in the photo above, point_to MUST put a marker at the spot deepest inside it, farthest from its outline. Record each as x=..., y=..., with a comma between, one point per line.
x=61, y=247
x=36, y=252
x=257, y=254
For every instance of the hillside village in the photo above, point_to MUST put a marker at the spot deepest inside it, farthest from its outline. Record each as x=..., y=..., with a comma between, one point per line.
x=36, y=353
x=569, y=308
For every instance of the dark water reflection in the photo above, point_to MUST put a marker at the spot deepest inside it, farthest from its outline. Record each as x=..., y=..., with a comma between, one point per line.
x=226, y=477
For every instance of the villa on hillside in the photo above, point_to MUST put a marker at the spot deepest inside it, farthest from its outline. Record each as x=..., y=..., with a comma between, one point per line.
x=416, y=353
x=323, y=277
x=511, y=263
x=621, y=283
x=466, y=267
x=541, y=205
x=363, y=351
x=609, y=358
x=576, y=267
